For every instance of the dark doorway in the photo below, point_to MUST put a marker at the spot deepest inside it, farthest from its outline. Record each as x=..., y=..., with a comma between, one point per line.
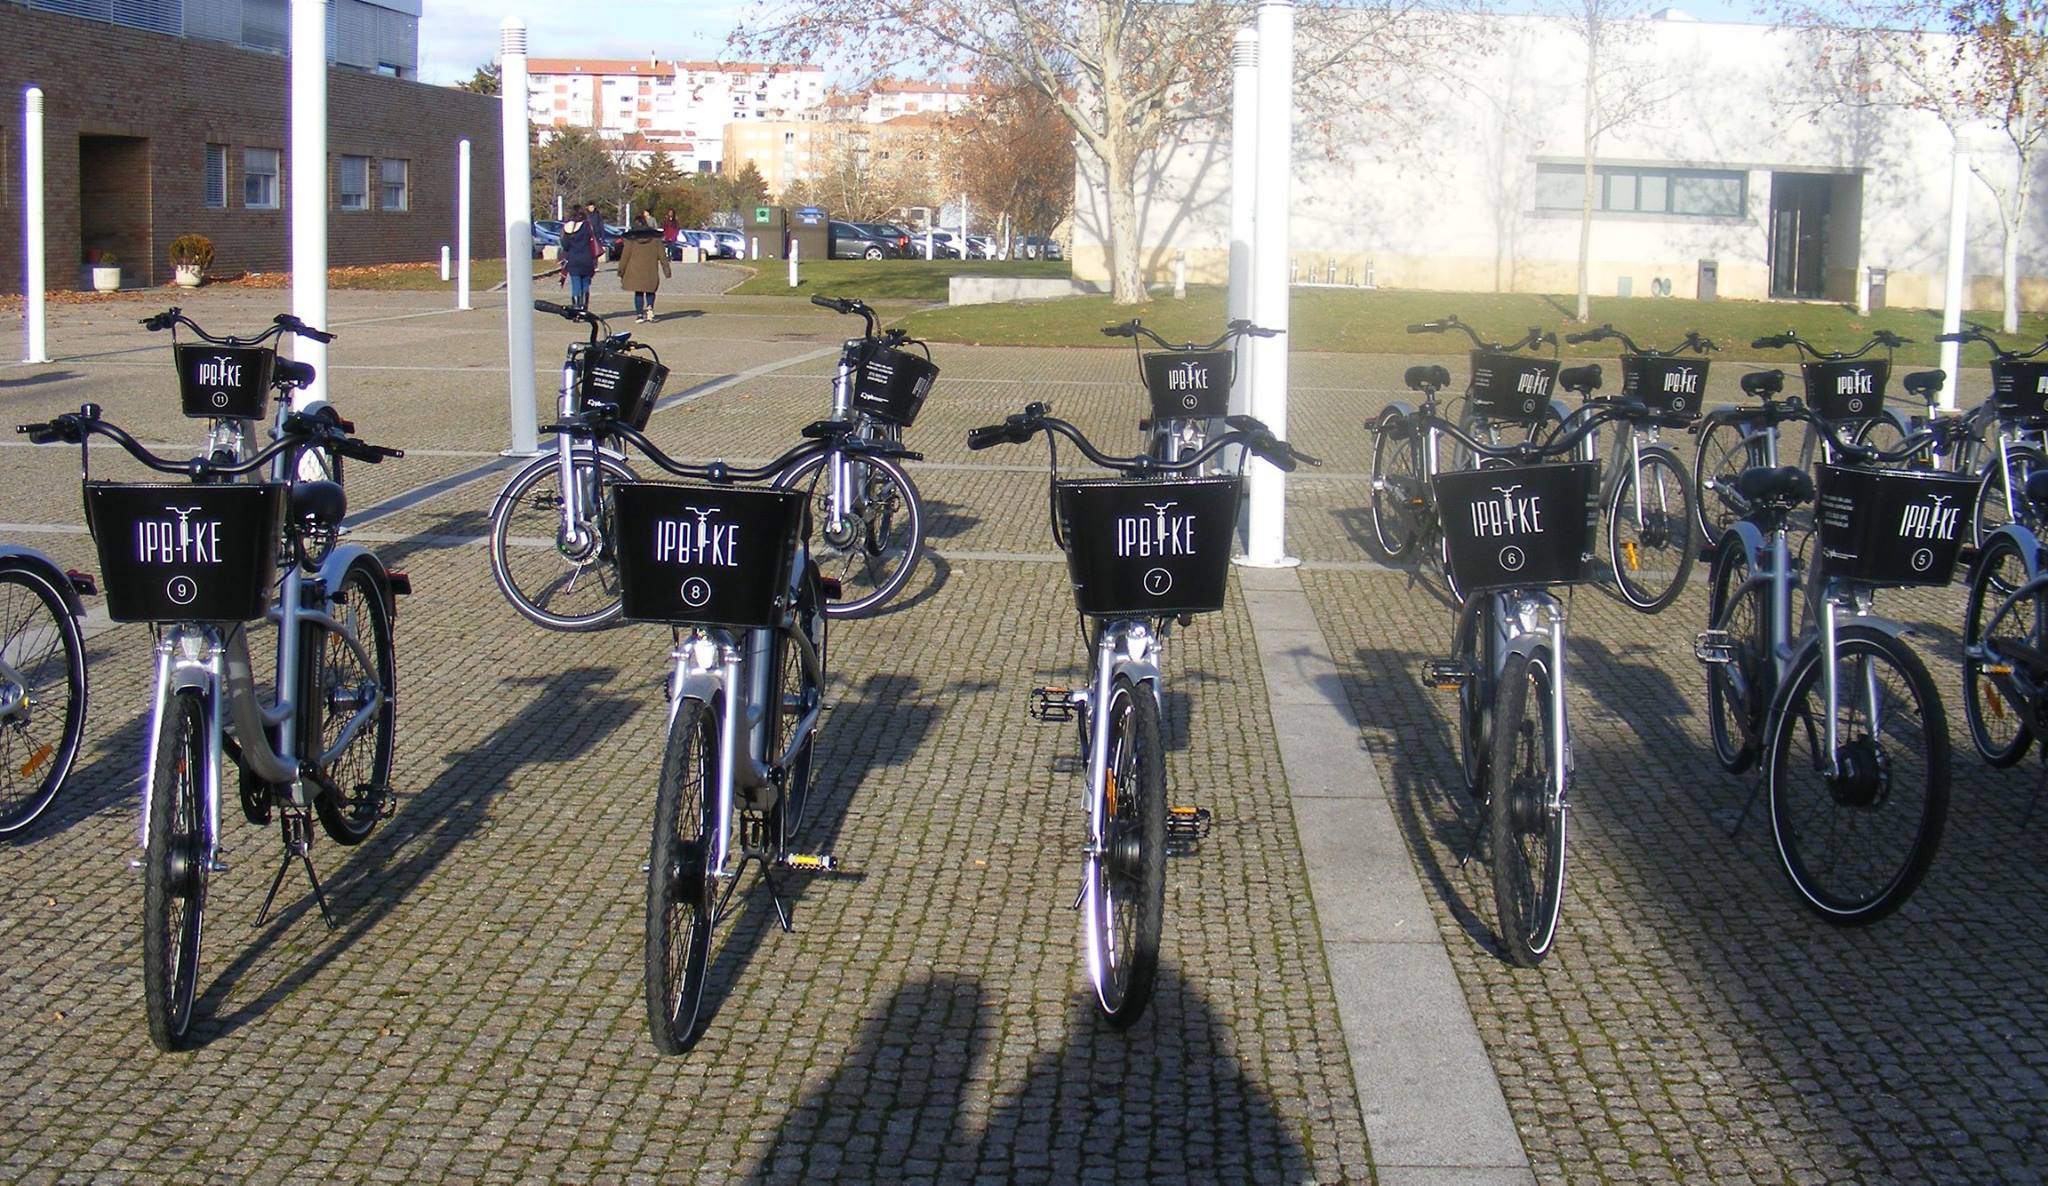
x=114, y=215
x=1799, y=234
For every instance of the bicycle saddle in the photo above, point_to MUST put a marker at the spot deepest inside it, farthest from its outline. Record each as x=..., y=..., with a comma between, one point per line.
x=1763, y=384
x=1785, y=486
x=322, y=502
x=1925, y=383
x=2037, y=487
x=287, y=373
x=1585, y=379
x=1435, y=378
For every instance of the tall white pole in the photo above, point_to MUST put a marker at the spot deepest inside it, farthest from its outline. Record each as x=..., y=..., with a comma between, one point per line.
x=1244, y=178
x=1265, y=537
x=1952, y=295
x=462, y=200
x=309, y=188
x=35, y=347
x=963, y=226
x=518, y=236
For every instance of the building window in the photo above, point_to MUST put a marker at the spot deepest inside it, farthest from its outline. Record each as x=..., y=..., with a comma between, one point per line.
x=216, y=177
x=391, y=174
x=1688, y=193
x=355, y=183
x=259, y=178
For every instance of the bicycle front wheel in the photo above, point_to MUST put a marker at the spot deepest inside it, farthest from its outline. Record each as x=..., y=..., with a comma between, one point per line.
x=682, y=885
x=1475, y=693
x=1857, y=829
x=174, y=872
x=42, y=696
x=871, y=544
x=560, y=577
x=336, y=687
x=1726, y=449
x=1991, y=701
x=1995, y=503
x=1526, y=814
x=1738, y=691
x=1398, y=496
x=1126, y=889
x=1650, y=541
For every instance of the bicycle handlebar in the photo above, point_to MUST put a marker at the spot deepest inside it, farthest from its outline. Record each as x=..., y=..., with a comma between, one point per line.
x=1247, y=431
x=283, y=323
x=1536, y=336
x=1972, y=332
x=1235, y=328
x=322, y=429
x=1879, y=337
x=601, y=419
x=1528, y=452
x=844, y=305
x=1692, y=341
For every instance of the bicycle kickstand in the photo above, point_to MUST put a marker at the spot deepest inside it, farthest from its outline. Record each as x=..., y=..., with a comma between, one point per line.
x=298, y=842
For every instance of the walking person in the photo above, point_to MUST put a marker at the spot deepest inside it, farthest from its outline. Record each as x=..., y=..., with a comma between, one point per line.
x=580, y=251
x=671, y=231
x=643, y=261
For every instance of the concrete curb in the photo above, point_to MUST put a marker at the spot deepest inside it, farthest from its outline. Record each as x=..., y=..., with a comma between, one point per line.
x=1432, y=1106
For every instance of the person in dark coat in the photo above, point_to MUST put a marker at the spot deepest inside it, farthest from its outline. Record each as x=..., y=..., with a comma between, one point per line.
x=643, y=261
x=581, y=247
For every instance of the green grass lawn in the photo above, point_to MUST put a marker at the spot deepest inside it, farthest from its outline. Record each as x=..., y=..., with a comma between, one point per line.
x=1375, y=322
x=886, y=279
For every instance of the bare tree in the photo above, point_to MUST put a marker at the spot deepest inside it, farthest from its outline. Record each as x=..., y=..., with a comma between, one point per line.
x=1966, y=62
x=1126, y=76
x=1014, y=156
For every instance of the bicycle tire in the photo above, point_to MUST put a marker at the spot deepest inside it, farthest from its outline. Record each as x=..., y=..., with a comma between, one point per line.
x=794, y=688
x=1998, y=727
x=1475, y=695
x=1528, y=830
x=1125, y=904
x=682, y=888
x=1886, y=433
x=586, y=580
x=1726, y=449
x=174, y=873
x=36, y=758
x=891, y=523
x=333, y=684
x=1663, y=536
x=1989, y=513
x=1396, y=459
x=1746, y=618
x=1815, y=820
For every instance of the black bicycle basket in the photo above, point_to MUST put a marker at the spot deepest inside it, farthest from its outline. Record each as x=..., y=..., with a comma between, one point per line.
x=1513, y=387
x=224, y=382
x=628, y=381
x=1189, y=385
x=1151, y=547
x=2020, y=389
x=1846, y=390
x=1517, y=526
x=1891, y=527
x=705, y=555
x=891, y=385
x=175, y=552
x=1672, y=388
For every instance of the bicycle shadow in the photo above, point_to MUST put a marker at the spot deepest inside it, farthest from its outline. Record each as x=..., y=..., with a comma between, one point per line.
x=569, y=712
x=927, y=587
x=1167, y=1102
x=446, y=530
x=946, y=520
x=1642, y=694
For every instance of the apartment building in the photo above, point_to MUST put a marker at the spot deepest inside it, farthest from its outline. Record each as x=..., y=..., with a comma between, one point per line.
x=681, y=108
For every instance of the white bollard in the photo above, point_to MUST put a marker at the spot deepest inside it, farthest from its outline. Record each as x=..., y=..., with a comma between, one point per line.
x=1265, y=536
x=34, y=281
x=927, y=244
x=518, y=236
x=462, y=224
x=1952, y=291
x=792, y=263
x=309, y=188
x=754, y=247
x=1180, y=275
x=444, y=261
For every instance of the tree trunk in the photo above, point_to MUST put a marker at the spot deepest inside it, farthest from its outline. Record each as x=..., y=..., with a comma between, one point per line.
x=1126, y=281
x=2013, y=227
x=1591, y=101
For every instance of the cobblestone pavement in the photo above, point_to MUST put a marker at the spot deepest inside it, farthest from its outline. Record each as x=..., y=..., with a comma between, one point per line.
x=478, y=1014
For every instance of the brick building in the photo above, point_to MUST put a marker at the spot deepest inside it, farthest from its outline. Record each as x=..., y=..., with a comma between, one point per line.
x=149, y=136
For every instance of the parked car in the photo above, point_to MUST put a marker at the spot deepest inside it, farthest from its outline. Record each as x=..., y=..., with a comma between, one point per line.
x=981, y=247
x=547, y=232
x=855, y=240
x=943, y=245
x=1036, y=247
x=734, y=243
x=897, y=235
x=614, y=237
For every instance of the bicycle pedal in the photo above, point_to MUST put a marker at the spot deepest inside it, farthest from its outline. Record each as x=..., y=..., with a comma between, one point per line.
x=807, y=862
x=1714, y=646
x=1053, y=704
x=1186, y=828
x=1445, y=675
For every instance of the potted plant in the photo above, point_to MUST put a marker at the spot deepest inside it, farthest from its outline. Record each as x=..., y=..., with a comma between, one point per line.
x=191, y=255
x=106, y=273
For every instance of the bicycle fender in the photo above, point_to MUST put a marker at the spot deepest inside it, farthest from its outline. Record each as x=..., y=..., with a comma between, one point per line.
x=1750, y=538
x=29, y=560
x=345, y=556
x=1808, y=651
x=2023, y=538
x=1395, y=419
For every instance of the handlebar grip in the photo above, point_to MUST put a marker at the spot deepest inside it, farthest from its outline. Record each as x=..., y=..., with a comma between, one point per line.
x=1128, y=329
x=1591, y=335
x=988, y=436
x=1426, y=327
x=1274, y=451
x=161, y=321
x=552, y=307
x=824, y=302
x=1955, y=337
x=1770, y=342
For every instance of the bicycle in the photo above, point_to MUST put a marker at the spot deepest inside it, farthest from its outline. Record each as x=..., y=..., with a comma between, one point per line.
x=1506, y=390
x=1144, y=550
x=2018, y=407
x=573, y=583
x=1841, y=388
x=197, y=559
x=43, y=692
x=1842, y=712
x=1188, y=385
x=1645, y=495
x=1514, y=530
x=228, y=381
x=727, y=560
x=2005, y=637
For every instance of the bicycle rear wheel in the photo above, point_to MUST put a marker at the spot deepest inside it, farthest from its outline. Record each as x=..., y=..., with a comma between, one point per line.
x=1726, y=449
x=795, y=692
x=1994, y=509
x=1738, y=692
x=335, y=685
x=1525, y=816
x=682, y=886
x=555, y=578
x=1397, y=487
x=1650, y=541
x=1125, y=896
x=42, y=696
x=1996, y=713
x=872, y=549
x=174, y=873
x=1857, y=842
x=1475, y=693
